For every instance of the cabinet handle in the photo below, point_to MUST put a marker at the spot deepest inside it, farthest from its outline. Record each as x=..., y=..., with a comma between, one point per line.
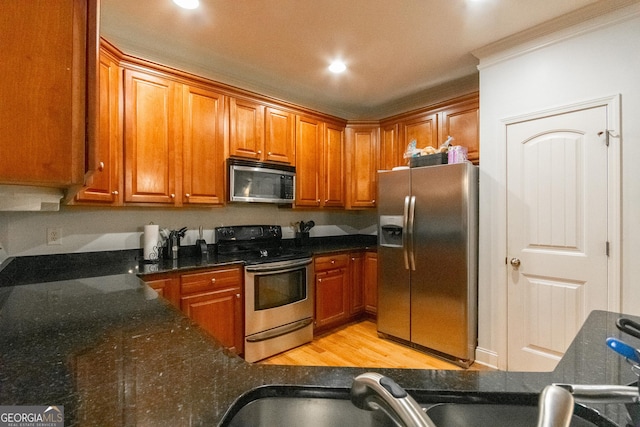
x=115, y=192
x=101, y=166
x=187, y=195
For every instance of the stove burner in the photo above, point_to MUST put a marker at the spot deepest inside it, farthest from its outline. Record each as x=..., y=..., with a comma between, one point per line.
x=255, y=244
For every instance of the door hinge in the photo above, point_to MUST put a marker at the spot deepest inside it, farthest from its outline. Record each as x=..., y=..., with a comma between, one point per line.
x=607, y=248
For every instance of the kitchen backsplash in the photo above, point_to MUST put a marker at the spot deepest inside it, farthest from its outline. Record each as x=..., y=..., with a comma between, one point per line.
x=98, y=229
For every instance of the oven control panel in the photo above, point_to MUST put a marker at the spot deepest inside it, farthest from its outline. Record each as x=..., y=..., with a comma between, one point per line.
x=245, y=233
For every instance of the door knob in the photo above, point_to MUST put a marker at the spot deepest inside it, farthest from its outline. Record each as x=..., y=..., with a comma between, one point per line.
x=515, y=262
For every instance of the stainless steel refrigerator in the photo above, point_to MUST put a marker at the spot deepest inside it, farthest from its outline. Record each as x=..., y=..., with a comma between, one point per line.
x=427, y=258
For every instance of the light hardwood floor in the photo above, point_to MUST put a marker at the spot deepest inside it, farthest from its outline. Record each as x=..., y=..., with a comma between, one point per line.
x=358, y=345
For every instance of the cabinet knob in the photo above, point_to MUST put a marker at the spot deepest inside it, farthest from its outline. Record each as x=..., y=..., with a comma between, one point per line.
x=333, y=261
x=172, y=195
x=101, y=166
x=115, y=192
x=213, y=280
x=259, y=151
x=187, y=195
x=238, y=296
x=269, y=153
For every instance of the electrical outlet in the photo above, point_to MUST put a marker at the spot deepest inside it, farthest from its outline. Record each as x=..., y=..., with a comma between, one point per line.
x=54, y=236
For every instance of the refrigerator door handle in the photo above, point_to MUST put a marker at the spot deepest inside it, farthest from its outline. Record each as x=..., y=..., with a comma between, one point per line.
x=405, y=240
x=411, y=223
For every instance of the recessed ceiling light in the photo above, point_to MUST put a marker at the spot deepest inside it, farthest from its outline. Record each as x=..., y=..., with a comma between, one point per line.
x=187, y=4
x=337, y=66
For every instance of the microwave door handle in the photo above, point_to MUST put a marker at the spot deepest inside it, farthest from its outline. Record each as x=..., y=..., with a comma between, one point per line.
x=405, y=223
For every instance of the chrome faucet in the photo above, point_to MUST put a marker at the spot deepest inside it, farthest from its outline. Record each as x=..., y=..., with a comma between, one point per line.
x=555, y=407
x=627, y=395
x=372, y=391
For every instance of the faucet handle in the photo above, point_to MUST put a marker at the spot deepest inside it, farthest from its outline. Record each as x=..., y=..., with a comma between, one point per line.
x=555, y=408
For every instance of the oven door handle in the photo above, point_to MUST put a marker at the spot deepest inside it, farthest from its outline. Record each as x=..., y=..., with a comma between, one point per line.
x=280, y=267
x=278, y=332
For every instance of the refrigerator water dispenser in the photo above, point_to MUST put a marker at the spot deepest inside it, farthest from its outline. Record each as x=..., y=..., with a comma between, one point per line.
x=391, y=230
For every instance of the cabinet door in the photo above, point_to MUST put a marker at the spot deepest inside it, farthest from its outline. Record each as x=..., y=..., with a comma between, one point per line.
x=462, y=123
x=150, y=137
x=246, y=137
x=279, y=137
x=308, y=161
x=363, y=167
x=423, y=129
x=371, y=282
x=103, y=186
x=167, y=286
x=333, y=188
x=356, y=283
x=332, y=298
x=220, y=314
x=202, y=146
x=43, y=90
x=390, y=150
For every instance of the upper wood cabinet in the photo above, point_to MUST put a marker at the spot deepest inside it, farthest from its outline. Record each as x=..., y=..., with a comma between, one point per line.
x=362, y=165
x=49, y=50
x=458, y=117
x=390, y=152
x=333, y=166
x=308, y=166
x=151, y=130
x=202, y=146
x=104, y=186
x=279, y=144
x=261, y=133
x=320, y=169
x=174, y=141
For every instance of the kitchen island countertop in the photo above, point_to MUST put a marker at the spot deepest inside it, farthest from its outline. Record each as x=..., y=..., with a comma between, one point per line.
x=114, y=353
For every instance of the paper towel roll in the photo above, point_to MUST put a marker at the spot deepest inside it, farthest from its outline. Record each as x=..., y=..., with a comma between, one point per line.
x=151, y=237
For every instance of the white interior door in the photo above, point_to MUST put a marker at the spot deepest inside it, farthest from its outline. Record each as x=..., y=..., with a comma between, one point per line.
x=557, y=233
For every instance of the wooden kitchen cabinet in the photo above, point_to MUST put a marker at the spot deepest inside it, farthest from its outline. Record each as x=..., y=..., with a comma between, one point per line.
x=370, y=272
x=332, y=290
x=151, y=131
x=48, y=68
x=174, y=141
x=390, y=151
x=362, y=169
x=261, y=133
x=356, y=284
x=203, y=154
x=104, y=186
x=214, y=300
x=167, y=285
x=432, y=125
x=320, y=168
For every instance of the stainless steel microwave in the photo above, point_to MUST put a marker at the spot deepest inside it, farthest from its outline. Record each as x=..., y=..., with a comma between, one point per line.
x=251, y=181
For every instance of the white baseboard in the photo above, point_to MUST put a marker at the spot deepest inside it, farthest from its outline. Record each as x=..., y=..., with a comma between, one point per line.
x=486, y=357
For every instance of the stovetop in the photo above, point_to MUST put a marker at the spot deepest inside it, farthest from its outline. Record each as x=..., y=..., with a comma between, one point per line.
x=255, y=244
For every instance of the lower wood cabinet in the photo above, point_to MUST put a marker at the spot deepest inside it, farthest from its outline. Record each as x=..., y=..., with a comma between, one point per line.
x=345, y=288
x=211, y=298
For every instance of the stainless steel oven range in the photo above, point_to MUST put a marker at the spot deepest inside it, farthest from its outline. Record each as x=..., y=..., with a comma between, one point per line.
x=278, y=289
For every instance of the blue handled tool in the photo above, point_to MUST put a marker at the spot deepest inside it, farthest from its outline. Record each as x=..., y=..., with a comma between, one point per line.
x=623, y=349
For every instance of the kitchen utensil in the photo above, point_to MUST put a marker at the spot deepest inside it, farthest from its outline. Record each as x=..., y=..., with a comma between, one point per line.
x=628, y=326
x=302, y=225
x=309, y=225
x=202, y=244
x=624, y=349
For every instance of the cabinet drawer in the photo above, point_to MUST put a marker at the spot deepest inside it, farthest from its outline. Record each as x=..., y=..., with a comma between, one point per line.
x=210, y=280
x=328, y=262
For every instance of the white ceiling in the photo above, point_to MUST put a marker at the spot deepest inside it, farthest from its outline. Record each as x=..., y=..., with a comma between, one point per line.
x=395, y=50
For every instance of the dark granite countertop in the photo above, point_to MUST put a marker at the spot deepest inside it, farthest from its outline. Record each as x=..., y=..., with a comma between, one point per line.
x=113, y=353
x=89, y=335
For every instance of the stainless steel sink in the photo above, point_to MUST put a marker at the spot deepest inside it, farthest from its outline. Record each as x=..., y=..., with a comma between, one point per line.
x=323, y=407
